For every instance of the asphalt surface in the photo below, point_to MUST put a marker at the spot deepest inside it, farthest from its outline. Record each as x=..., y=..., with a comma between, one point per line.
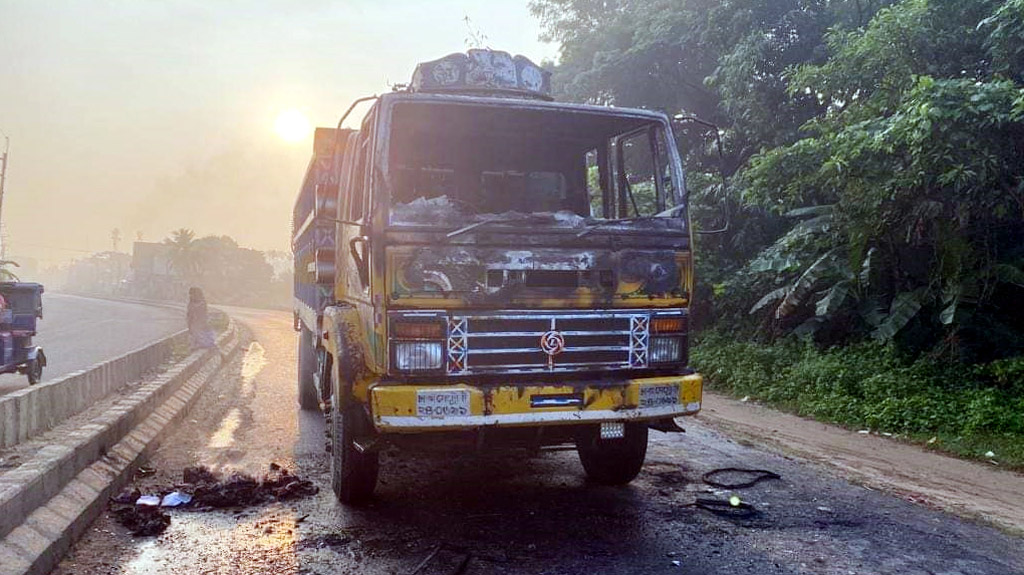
x=508, y=513
x=77, y=332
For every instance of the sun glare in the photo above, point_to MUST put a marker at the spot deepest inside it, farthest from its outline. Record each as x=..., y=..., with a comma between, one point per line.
x=292, y=125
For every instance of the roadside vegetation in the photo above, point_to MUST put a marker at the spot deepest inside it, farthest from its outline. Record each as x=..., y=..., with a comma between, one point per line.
x=872, y=272
x=228, y=273
x=970, y=410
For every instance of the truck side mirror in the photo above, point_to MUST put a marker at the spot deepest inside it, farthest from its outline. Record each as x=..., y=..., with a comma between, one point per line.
x=681, y=119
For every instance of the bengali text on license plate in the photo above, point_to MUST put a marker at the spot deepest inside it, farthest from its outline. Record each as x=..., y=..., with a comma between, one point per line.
x=453, y=403
x=659, y=395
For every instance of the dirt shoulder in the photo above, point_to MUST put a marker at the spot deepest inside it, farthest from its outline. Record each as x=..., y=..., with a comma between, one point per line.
x=967, y=488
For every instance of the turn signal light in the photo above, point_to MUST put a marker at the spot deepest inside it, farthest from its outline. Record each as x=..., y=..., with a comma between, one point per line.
x=668, y=325
x=418, y=330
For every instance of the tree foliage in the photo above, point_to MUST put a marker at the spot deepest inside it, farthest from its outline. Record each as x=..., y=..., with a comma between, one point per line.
x=876, y=149
x=184, y=255
x=227, y=272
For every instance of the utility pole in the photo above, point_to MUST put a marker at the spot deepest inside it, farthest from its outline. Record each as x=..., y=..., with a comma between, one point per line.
x=3, y=180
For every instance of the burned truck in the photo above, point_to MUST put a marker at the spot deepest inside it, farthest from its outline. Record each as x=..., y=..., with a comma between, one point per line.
x=479, y=267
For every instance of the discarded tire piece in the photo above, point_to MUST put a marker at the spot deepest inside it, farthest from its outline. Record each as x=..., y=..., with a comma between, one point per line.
x=725, y=507
x=733, y=507
x=759, y=475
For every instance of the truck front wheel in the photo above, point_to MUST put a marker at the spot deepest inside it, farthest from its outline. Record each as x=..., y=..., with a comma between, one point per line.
x=612, y=461
x=307, y=368
x=353, y=473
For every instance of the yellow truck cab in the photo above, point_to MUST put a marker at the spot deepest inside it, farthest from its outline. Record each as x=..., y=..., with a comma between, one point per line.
x=480, y=267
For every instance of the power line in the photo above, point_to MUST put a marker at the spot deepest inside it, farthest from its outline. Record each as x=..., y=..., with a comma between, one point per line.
x=3, y=181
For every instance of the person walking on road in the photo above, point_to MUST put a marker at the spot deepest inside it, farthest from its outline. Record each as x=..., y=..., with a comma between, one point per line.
x=198, y=318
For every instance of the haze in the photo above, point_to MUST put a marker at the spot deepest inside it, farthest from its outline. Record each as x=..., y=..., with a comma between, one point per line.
x=149, y=117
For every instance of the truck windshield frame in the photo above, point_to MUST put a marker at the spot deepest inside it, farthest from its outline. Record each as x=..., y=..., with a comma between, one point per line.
x=458, y=163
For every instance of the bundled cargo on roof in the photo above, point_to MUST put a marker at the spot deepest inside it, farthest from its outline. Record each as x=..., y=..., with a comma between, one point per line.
x=484, y=72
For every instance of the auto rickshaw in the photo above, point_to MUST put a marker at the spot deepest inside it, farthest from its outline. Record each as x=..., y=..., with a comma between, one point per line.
x=22, y=306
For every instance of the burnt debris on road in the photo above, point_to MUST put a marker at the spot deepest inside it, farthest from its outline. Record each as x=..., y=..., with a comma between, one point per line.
x=203, y=490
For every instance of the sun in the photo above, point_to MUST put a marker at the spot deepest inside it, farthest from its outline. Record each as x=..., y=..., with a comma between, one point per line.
x=292, y=125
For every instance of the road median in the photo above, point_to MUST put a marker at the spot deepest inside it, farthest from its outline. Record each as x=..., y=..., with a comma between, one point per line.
x=28, y=412
x=65, y=475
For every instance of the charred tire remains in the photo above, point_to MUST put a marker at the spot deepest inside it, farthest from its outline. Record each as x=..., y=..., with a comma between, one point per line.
x=307, y=367
x=612, y=461
x=759, y=475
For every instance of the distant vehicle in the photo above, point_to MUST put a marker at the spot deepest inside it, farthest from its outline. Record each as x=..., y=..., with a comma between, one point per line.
x=23, y=305
x=478, y=267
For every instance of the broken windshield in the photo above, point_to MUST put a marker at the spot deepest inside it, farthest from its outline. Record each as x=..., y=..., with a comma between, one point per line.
x=455, y=165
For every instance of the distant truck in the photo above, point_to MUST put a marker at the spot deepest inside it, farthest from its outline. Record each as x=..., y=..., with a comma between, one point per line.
x=478, y=267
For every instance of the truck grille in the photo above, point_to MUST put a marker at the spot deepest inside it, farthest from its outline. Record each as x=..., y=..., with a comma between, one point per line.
x=510, y=342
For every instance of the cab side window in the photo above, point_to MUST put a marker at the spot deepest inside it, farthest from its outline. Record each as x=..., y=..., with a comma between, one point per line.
x=346, y=176
x=359, y=181
x=637, y=176
x=669, y=193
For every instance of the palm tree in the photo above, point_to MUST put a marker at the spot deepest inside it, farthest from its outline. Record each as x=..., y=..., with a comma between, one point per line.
x=184, y=255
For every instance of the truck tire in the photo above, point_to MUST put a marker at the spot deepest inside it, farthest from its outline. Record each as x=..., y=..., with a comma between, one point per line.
x=308, y=399
x=612, y=461
x=353, y=473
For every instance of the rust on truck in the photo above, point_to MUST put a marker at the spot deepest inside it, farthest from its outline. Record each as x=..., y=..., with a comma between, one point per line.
x=480, y=265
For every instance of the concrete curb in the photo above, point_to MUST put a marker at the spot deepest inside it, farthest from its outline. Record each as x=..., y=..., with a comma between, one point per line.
x=59, y=494
x=33, y=410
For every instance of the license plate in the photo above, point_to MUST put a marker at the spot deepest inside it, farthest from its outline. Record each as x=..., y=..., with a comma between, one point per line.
x=453, y=403
x=659, y=395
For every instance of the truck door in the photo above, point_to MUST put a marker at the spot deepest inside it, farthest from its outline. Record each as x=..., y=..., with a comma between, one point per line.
x=354, y=233
x=355, y=283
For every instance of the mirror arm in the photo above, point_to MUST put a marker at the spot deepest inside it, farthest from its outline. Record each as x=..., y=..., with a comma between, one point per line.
x=721, y=169
x=360, y=259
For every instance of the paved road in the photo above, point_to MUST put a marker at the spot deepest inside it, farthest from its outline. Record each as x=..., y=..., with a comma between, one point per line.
x=513, y=514
x=77, y=332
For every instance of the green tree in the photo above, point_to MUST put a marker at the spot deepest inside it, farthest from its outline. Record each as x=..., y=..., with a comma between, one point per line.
x=184, y=255
x=921, y=154
x=876, y=148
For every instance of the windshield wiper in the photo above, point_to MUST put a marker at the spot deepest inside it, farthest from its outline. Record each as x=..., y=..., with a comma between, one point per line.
x=484, y=222
x=603, y=223
x=671, y=212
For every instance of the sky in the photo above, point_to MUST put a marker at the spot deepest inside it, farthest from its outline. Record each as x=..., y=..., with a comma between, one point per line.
x=149, y=116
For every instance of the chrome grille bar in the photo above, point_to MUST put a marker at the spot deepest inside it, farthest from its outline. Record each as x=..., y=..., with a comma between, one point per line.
x=540, y=333
x=534, y=350
x=604, y=340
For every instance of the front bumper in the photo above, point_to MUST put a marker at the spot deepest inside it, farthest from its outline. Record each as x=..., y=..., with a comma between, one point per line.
x=426, y=407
